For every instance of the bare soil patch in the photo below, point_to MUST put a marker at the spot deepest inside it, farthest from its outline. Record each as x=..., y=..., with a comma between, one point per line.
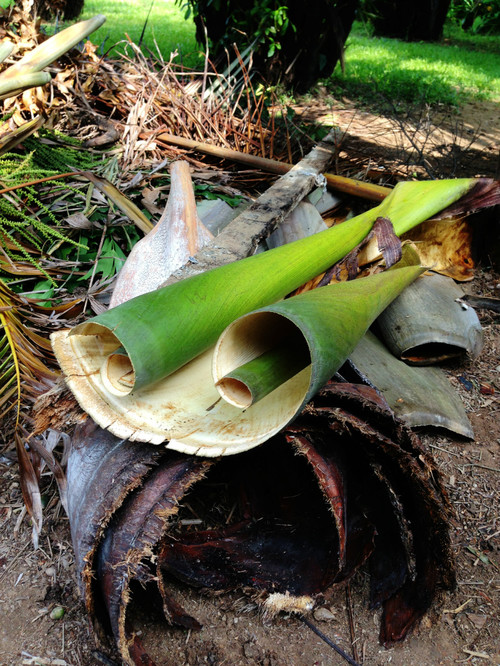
x=429, y=142
x=464, y=629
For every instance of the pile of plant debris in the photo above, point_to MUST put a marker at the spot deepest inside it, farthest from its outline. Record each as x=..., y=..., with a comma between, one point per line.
x=346, y=484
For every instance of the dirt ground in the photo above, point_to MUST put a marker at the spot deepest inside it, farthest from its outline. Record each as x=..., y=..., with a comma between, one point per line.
x=38, y=586
x=431, y=142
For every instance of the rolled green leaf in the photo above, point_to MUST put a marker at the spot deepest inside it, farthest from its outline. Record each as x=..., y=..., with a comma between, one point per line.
x=53, y=48
x=278, y=346
x=164, y=329
x=15, y=85
x=187, y=409
x=195, y=311
x=167, y=336
x=259, y=377
x=331, y=320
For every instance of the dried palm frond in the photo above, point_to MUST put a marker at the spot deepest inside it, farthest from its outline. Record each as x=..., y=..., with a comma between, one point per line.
x=150, y=96
x=25, y=373
x=28, y=370
x=26, y=356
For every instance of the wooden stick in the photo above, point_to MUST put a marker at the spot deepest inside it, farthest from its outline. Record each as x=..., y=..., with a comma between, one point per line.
x=482, y=302
x=340, y=183
x=272, y=166
x=328, y=641
x=240, y=238
x=350, y=616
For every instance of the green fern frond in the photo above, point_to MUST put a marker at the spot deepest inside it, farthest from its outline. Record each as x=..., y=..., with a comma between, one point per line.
x=16, y=169
x=26, y=221
x=23, y=255
x=9, y=226
x=31, y=197
x=58, y=156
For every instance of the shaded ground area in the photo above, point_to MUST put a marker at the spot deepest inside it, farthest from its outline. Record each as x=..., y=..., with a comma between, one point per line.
x=465, y=629
x=424, y=141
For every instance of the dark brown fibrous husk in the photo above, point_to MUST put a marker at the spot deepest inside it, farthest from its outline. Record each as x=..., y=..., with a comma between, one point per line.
x=347, y=484
x=484, y=194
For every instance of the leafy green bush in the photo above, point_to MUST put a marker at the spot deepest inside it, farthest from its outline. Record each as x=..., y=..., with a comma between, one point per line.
x=261, y=23
x=293, y=43
x=477, y=16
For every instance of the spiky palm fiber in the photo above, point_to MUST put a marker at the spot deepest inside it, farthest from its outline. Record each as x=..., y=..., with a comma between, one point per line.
x=27, y=370
x=27, y=223
x=225, y=108
x=27, y=366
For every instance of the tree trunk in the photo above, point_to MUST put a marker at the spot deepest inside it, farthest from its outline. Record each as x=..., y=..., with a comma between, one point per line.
x=411, y=20
x=66, y=9
x=316, y=46
x=309, y=49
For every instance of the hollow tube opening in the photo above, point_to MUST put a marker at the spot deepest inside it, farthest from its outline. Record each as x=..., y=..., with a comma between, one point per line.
x=117, y=374
x=235, y=392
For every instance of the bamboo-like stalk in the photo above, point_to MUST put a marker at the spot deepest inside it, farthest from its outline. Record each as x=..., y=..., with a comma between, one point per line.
x=15, y=85
x=340, y=183
x=52, y=49
x=257, y=378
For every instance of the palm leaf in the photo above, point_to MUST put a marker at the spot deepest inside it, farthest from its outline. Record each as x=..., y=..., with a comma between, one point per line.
x=25, y=358
x=24, y=372
x=14, y=362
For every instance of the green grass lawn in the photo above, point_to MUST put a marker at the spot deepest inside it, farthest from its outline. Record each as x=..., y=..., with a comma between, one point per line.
x=461, y=67
x=458, y=68
x=166, y=27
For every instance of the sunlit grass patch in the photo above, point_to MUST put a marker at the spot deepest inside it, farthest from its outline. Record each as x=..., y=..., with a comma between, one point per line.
x=166, y=29
x=377, y=69
x=416, y=71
